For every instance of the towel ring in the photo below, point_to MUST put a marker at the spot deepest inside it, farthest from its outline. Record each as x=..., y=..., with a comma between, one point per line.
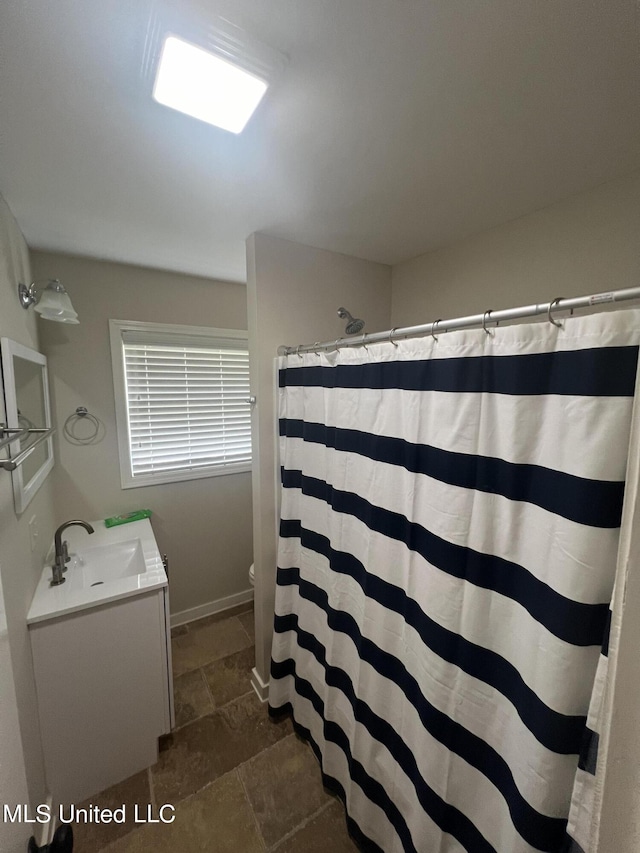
x=549, y=317
x=434, y=328
x=487, y=314
x=81, y=414
x=391, y=341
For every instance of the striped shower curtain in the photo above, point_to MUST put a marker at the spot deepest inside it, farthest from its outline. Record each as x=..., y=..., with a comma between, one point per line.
x=449, y=529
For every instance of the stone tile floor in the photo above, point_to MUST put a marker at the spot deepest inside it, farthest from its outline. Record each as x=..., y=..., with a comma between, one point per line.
x=240, y=783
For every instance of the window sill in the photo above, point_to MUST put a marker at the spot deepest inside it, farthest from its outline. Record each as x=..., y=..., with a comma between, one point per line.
x=183, y=476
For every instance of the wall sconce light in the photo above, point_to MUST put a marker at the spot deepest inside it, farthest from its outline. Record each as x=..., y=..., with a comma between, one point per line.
x=51, y=301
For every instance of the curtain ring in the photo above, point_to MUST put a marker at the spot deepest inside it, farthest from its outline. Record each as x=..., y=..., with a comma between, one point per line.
x=549, y=317
x=487, y=314
x=434, y=328
x=298, y=350
x=316, y=344
x=363, y=343
x=391, y=341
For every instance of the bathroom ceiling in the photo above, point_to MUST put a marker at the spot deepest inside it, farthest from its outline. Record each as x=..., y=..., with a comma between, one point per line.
x=397, y=126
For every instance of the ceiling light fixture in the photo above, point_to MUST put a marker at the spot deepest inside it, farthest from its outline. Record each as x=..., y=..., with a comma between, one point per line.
x=199, y=83
x=51, y=301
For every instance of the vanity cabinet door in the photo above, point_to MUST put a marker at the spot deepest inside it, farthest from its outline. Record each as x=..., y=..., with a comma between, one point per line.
x=101, y=676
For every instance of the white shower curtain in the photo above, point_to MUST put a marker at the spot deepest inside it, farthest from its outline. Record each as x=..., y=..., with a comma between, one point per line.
x=449, y=530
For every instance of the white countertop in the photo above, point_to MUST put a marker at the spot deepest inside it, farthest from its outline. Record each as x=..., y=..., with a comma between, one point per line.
x=50, y=602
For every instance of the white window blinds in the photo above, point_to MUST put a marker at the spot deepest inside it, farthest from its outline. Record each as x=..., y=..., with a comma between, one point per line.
x=187, y=406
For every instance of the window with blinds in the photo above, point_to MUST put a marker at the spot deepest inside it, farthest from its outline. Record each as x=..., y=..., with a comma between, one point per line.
x=185, y=403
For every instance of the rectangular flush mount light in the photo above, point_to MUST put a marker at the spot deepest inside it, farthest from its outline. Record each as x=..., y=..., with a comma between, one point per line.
x=205, y=86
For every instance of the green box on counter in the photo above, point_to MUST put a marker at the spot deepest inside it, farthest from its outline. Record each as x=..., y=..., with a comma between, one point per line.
x=136, y=515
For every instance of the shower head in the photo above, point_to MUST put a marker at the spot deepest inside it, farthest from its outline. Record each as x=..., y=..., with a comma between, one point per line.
x=353, y=324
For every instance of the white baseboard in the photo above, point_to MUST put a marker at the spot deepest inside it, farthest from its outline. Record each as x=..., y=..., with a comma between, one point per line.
x=210, y=607
x=262, y=689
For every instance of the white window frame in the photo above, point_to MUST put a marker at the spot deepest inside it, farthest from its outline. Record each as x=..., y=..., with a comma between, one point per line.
x=210, y=336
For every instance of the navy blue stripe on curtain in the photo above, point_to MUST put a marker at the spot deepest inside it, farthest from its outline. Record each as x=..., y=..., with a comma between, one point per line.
x=534, y=827
x=599, y=372
x=558, y=732
x=607, y=633
x=589, y=751
x=597, y=503
x=571, y=846
x=334, y=733
x=446, y=816
x=572, y=621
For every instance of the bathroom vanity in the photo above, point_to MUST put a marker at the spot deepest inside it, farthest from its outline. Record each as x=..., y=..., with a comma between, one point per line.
x=102, y=659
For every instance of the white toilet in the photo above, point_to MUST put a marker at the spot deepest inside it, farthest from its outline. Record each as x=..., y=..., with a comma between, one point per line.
x=252, y=575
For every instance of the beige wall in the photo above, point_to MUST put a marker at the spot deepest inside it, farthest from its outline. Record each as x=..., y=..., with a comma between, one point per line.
x=203, y=525
x=293, y=292
x=586, y=244
x=20, y=567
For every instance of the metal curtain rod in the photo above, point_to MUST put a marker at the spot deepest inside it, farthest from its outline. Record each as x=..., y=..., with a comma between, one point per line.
x=489, y=317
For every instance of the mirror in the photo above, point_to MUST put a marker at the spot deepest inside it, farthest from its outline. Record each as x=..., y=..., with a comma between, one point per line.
x=26, y=394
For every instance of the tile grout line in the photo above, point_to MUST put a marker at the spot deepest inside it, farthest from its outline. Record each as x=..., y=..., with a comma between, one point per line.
x=248, y=799
x=202, y=666
x=191, y=629
x=185, y=625
x=214, y=618
x=244, y=630
x=208, y=689
x=251, y=640
x=236, y=770
x=251, y=644
x=213, y=782
x=300, y=826
x=152, y=790
x=215, y=708
x=233, y=769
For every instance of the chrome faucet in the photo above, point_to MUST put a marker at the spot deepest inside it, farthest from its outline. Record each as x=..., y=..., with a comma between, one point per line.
x=62, y=554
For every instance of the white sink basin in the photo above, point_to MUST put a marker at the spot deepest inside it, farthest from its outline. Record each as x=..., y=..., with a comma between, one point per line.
x=108, y=563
